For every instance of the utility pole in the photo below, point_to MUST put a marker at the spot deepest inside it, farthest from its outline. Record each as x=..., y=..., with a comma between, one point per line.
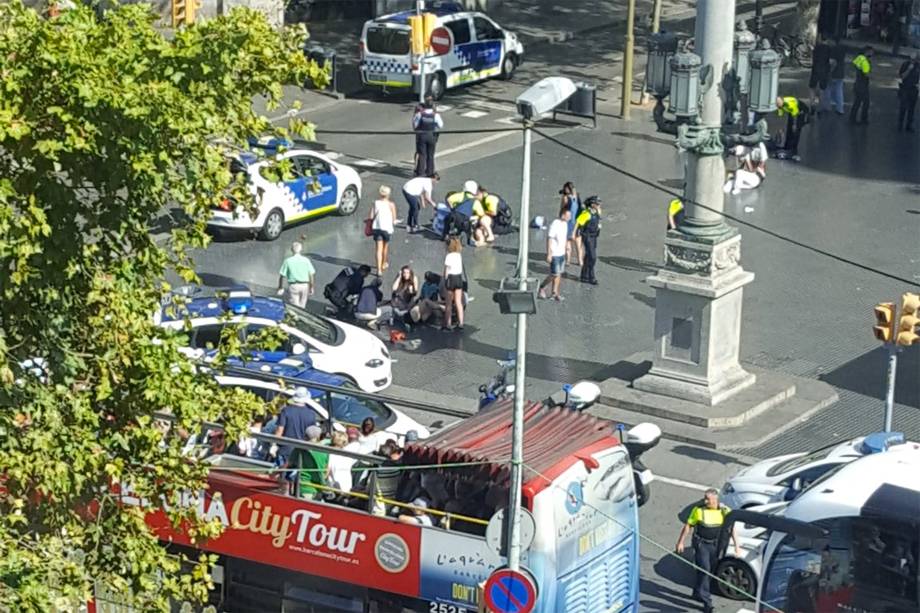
x=626, y=100
x=656, y=17
x=889, y=393
x=758, y=17
x=419, y=9
x=517, y=429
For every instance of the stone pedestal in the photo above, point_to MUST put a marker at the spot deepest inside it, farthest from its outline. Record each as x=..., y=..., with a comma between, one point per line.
x=698, y=300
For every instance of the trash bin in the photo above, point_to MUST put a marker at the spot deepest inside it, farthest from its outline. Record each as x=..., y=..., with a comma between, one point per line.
x=583, y=100
x=321, y=55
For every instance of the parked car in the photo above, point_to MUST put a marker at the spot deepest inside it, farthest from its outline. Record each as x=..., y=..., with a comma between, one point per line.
x=315, y=186
x=782, y=478
x=740, y=575
x=333, y=347
x=346, y=410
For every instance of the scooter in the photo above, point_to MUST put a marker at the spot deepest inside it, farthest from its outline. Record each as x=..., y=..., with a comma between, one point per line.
x=639, y=439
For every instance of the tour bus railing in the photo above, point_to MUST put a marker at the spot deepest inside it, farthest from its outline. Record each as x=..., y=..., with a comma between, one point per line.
x=371, y=460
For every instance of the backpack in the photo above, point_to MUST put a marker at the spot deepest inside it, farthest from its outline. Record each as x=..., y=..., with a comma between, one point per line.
x=503, y=218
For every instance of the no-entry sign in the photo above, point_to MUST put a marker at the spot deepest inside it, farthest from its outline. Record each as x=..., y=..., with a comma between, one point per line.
x=441, y=41
x=509, y=591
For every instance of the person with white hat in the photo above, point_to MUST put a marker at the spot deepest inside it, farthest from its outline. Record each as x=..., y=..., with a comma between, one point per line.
x=295, y=418
x=419, y=514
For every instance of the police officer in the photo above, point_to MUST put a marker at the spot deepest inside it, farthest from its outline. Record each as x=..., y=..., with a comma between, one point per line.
x=797, y=113
x=706, y=521
x=863, y=67
x=426, y=122
x=588, y=226
x=676, y=214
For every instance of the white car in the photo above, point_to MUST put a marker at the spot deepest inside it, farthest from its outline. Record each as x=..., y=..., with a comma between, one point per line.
x=332, y=346
x=317, y=185
x=346, y=410
x=740, y=575
x=782, y=478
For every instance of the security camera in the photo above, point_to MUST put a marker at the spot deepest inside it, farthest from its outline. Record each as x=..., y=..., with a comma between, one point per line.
x=544, y=97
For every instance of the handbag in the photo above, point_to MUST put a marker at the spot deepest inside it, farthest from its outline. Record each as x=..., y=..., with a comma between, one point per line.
x=368, y=227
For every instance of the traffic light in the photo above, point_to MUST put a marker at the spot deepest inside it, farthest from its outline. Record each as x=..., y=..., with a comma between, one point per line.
x=909, y=321
x=884, y=322
x=429, y=23
x=183, y=12
x=417, y=29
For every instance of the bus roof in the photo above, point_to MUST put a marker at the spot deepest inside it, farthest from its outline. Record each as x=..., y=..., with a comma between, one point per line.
x=887, y=481
x=554, y=439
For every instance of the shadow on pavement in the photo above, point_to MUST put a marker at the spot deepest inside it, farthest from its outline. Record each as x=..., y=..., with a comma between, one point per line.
x=648, y=301
x=633, y=264
x=673, y=600
x=706, y=455
x=866, y=375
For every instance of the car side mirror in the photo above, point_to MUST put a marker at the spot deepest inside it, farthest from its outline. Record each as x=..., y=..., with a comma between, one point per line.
x=298, y=349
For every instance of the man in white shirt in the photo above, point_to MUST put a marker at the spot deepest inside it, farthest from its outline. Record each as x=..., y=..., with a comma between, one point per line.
x=419, y=193
x=556, y=239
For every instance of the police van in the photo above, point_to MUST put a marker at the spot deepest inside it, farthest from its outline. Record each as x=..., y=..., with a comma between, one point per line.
x=467, y=46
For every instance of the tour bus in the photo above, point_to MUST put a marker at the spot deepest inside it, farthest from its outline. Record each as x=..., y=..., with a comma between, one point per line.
x=279, y=552
x=850, y=542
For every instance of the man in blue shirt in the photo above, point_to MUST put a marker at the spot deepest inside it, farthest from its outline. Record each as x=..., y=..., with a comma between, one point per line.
x=294, y=420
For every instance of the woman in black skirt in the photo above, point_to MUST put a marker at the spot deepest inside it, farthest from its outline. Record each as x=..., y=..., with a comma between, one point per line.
x=453, y=275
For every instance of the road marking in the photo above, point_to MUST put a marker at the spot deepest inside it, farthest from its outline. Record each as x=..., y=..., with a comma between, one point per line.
x=510, y=120
x=474, y=143
x=681, y=483
x=445, y=107
x=369, y=163
x=494, y=106
x=474, y=114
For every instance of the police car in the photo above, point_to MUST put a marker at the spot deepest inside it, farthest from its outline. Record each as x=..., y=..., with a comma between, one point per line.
x=332, y=346
x=317, y=185
x=346, y=410
x=784, y=477
x=466, y=47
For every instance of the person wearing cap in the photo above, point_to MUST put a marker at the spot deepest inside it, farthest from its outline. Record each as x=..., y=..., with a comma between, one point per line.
x=426, y=121
x=294, y=420
x=419, y=514
x=463, y=207
x=588, y=228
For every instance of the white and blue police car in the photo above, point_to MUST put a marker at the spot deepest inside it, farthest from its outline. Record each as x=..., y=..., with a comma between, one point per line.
x=332, y=346
x=317, y=185
x=346, y=410
x=467, y=46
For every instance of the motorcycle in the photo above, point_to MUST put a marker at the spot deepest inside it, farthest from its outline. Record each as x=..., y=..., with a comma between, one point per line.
x=498, y=387
x=639, y=439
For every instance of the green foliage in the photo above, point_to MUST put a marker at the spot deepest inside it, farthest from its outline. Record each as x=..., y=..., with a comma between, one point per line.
x=103, y=126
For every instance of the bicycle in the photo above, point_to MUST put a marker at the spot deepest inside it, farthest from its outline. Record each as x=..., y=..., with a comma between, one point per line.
x=792, y=50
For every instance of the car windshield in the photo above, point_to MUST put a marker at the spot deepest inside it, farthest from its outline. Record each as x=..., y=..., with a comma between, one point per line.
x=795, y=463
x=352, y=411
x=389, y=41
x=313, y=326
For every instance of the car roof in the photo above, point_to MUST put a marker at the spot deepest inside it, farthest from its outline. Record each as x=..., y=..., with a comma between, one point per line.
x=449, y=9
x=238, y=301
x=280, y=364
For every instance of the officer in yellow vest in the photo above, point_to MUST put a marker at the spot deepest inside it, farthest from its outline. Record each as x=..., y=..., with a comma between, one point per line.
x=797, y=113
x=706, y=521
x=863, y=65
x=676, y=214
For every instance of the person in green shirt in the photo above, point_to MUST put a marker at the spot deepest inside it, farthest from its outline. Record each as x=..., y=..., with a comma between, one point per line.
x=298, y=272
x=314, y=464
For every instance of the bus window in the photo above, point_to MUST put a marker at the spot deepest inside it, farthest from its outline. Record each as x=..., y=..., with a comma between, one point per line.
x=864, y=565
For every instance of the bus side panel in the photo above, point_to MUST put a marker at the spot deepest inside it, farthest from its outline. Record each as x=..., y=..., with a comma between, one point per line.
x=452, y=565
x=586, y=554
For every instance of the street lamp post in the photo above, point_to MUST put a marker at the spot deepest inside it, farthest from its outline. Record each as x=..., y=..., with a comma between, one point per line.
x=536, y=100
x=699, y=290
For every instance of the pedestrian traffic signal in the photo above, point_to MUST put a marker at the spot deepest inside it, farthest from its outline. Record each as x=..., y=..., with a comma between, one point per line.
x=417, y=30
x=884, y=322
x=909, y=322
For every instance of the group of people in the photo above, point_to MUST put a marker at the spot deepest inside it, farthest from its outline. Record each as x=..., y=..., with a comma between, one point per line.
x=572, y=236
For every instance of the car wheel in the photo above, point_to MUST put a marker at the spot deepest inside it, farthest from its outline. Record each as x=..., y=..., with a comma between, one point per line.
x=437, y=86
x=736, y=579
x=508, y=66
x=348, y=203
x=273, y=225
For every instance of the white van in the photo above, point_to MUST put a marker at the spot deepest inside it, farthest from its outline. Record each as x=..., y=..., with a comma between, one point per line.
x=468, y=47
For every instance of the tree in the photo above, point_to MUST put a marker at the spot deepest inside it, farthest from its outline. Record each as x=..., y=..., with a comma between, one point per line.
x=103, y=125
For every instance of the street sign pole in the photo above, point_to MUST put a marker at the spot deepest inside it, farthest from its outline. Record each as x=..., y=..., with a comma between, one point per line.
x=626, y=98
x=889, y=394
x=517, y=428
